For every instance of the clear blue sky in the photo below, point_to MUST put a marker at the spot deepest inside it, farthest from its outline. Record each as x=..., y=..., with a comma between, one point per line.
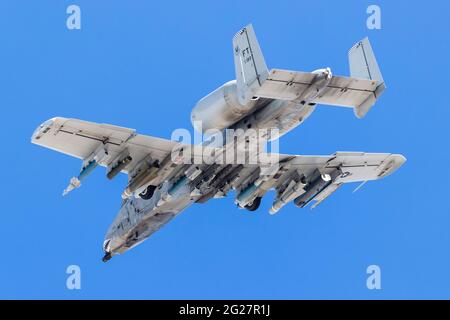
x=142, y=65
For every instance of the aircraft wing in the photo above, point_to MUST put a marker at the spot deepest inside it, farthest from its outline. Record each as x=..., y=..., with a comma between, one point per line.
x=121, y=148
x=117, y=148
x=80, y=139
x=359, y=166
x=314, y=177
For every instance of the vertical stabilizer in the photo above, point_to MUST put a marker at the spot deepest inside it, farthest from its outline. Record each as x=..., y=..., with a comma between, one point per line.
x=251, y=69
x=363, y=65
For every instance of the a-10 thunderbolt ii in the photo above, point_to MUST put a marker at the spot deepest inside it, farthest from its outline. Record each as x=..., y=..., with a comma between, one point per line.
x=161, y=183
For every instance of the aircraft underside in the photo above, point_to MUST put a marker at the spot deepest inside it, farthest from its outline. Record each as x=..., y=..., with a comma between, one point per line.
x=240, y=118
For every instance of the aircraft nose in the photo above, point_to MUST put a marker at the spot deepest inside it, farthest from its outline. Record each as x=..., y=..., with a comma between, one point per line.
x=107, y=250
x=111, y=246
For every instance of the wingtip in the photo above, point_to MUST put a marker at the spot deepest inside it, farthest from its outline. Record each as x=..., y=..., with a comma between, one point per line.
x=42, y=129
x=392, y=164
x=401, y=160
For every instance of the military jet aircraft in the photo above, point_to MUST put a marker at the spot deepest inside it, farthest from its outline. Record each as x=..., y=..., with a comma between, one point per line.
x=161, y=183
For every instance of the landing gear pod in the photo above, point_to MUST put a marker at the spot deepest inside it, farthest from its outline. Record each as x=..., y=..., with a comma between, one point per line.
x=255, y=204
x=319, y=183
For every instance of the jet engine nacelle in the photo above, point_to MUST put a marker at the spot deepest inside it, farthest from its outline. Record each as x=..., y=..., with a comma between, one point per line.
x=220, y=109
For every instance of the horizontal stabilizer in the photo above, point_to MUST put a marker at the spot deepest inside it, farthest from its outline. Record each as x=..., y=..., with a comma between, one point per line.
x=360, y=91
x=341, y=91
